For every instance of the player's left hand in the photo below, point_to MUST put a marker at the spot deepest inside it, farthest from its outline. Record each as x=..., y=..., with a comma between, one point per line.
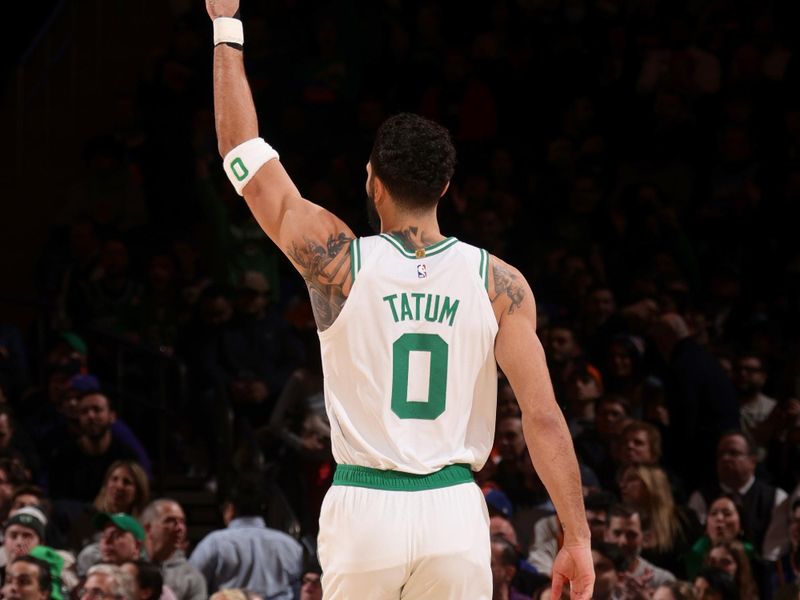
x=574, y=564
x=221, y=8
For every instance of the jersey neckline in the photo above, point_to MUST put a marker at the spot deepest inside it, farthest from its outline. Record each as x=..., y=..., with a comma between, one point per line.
x=420, y=253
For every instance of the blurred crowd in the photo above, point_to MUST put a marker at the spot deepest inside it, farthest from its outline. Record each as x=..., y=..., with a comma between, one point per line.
x=638, y=160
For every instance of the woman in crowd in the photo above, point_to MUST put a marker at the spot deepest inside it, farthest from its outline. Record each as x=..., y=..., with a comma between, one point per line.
x=724, y=524
x=667, y=528
x=125, y=489
x=732, y=558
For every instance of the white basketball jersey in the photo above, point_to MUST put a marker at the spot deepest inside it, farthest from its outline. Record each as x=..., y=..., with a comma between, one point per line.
x=410, y=373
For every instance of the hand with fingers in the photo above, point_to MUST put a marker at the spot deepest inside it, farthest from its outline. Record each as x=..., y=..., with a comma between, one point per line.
x=574, y=564
x=221, y=8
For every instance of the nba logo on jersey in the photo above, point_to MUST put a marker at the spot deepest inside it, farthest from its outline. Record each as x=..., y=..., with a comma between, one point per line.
x=422, y=271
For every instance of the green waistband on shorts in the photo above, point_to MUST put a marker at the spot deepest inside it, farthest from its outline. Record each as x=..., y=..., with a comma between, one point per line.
x=397, y=481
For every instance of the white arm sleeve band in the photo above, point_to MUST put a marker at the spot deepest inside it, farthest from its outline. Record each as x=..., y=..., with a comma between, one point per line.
x=227, y=29
x=242, y=162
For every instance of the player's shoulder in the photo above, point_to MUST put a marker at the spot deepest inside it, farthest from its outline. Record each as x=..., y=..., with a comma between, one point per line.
x=508, y=289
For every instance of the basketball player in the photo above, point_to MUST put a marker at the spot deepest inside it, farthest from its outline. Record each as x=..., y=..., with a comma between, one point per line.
x=412, y=325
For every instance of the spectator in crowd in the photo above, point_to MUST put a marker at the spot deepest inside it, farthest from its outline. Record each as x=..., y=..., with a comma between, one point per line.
x=12, y=474
x=547, y=532
x=724, y=524
x=701, y=399
x=107, y=581
x=732, y=558
x=669, y=530
x=676, y=590
x=749, y=377
x=504, y=567
x=77, y=469
x=594, y=445
x=125, y=489
x=715, y=584
x=625, y=530
x=786, y=569
x=311, y=585
x=147, y=581
x=584, y=387
x=121, y=539
x=563, y=352
x=736, y=475
x=27, y=578
x=623, y=369
x=641, y=444
x=247, y=554
x=260, y=350
x=15, y=442
x=62, y=570
x=165, y=527
x=609, y=566
x=23, y=530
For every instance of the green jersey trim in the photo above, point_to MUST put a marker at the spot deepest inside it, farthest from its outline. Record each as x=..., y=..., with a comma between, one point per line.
x=355, y=257
x=484, y=268
x=422, y=252
x=397, y=481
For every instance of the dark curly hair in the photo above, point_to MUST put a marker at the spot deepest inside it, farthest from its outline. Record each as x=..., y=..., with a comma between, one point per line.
x=414, y=158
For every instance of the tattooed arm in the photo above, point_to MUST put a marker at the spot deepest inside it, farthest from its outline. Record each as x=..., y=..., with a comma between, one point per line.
x=316, y=241
x=521, y=357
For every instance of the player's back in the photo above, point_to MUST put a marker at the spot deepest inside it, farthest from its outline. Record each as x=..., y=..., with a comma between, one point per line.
x=410, y=373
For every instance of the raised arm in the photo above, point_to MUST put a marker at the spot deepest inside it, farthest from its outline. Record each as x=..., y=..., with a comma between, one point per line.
x=316, y=241
x=521, y=357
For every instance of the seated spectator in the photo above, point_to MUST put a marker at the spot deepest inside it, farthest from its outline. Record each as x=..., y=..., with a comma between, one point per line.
x=27, y=578
x=786, y=570
x=732, y=558
x=609, y=562
x=547, y=532
x=62, y=569
x=311, y=584
x=247, y=554
x=76, y=470
x=33, y=495
x=623, y=369
x=504, y=569
x=14, y=441
x=23, y=530
x=669, y=530
x=749, y=376
x=677, y=590
x=125, y=489
x=715, y=584
x=147, y=581
x=736, y=468
x=165, y=528
x=12, y=475
x=593, y=446
x=625, y=530
x=121, y=540
x=641, y=444
x=107, y=581
x=584, y=387
x=724, y=524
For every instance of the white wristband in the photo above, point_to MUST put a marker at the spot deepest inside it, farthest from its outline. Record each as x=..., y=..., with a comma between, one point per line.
x=228, y=30
x=244, y=160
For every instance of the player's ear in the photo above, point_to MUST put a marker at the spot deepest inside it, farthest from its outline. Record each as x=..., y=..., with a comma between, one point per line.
x=378, y=188
x=444, y=189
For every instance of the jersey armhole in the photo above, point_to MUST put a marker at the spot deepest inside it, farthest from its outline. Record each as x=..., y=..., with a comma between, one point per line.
x=355, y=258
x=484, y=269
